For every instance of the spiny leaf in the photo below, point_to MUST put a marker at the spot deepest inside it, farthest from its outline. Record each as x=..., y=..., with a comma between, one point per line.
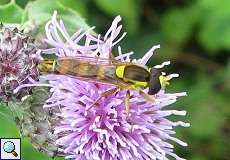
x=11, y=13
x=40, y=11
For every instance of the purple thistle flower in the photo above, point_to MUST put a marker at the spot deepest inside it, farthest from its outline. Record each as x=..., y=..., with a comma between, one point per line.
x=105, y=132
x=17, y=64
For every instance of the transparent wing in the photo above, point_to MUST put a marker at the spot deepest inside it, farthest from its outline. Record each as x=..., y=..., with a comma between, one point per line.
x=94, y=60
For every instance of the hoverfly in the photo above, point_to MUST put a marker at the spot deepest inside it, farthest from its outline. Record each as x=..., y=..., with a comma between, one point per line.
x=124, y=75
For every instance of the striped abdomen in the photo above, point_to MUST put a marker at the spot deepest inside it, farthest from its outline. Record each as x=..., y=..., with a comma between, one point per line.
x=84, y=69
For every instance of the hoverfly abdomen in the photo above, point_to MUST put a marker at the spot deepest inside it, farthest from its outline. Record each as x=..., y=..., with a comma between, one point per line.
x=76, y=68
x=47, y=66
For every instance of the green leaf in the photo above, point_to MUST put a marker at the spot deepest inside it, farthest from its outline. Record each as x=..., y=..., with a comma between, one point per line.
x=178, y=24
x=11, y=13
x=8, y=126
x=77, y=5
x=22, y=3
x=40, y=11
x=215, y=28
x=4, y=2
x=128, y=9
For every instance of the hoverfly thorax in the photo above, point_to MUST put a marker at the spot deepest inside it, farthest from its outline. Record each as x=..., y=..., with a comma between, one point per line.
x=133, y=74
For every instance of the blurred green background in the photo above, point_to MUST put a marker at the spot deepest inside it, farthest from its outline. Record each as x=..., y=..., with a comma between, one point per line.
x=194, y=35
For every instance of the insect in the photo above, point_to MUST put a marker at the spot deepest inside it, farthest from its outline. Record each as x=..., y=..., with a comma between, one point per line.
x=124, y=75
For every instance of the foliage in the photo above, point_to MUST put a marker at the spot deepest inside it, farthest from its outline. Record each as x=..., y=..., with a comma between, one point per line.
x=195, y=35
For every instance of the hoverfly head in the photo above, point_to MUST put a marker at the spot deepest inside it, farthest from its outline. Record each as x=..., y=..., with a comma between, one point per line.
x=154, y=81
x=158, y=80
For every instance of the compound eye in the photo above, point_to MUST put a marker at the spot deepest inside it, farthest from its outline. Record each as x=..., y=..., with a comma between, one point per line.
x=154, y=81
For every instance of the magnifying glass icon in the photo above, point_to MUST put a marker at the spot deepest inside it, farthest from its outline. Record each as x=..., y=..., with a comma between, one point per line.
x=9, y=147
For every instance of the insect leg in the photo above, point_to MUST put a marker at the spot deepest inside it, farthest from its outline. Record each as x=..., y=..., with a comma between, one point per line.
x=127, y=109
x=127, y=106
x=110, y=91
x=106, y=93
x=146, y=96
